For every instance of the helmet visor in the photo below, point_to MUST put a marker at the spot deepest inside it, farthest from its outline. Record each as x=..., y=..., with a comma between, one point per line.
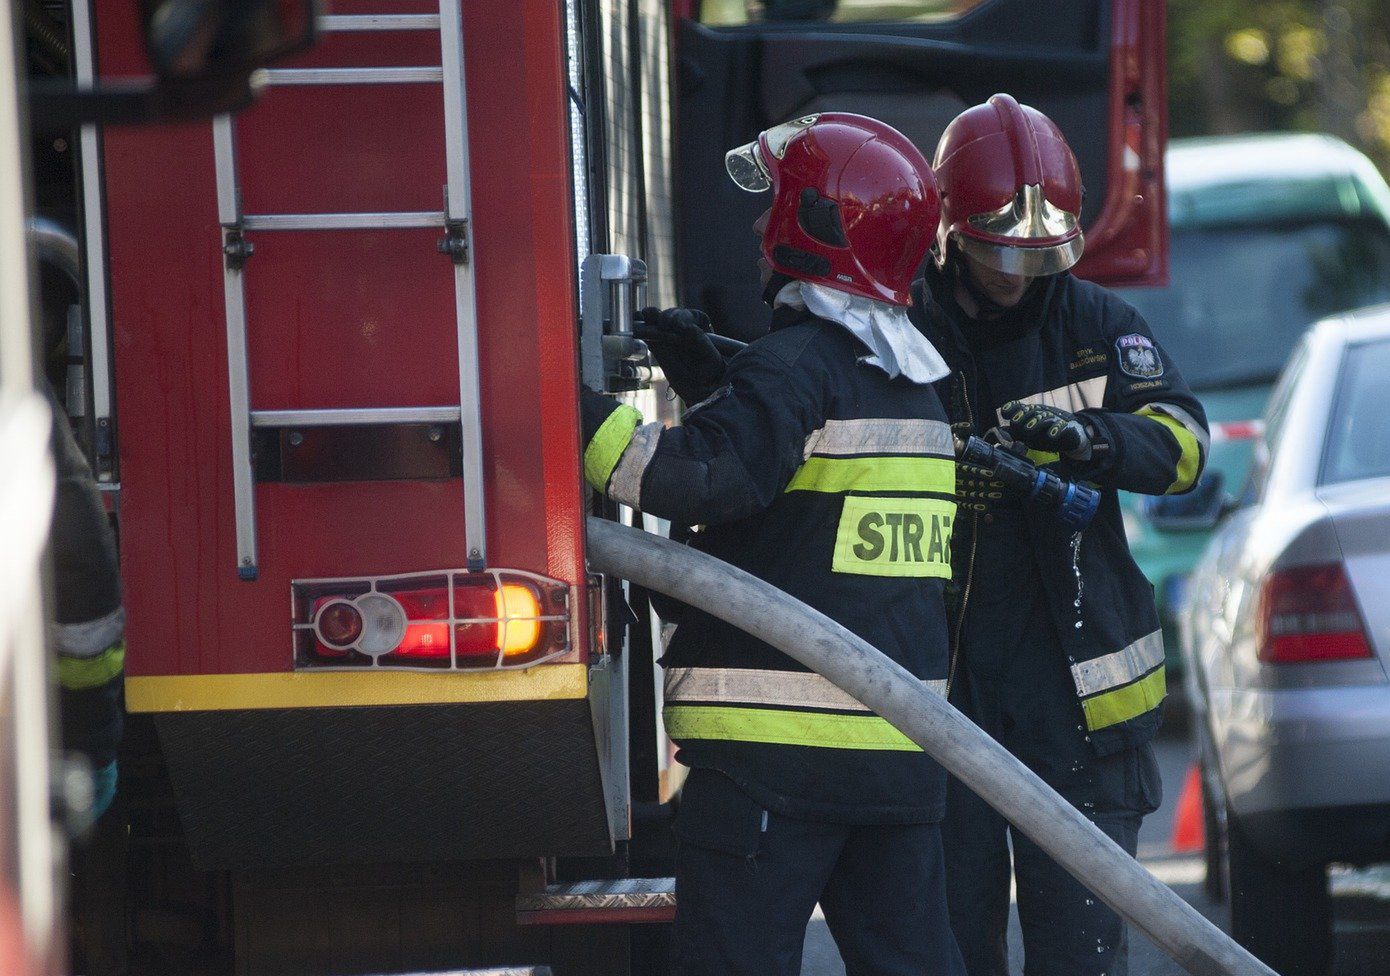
x=746, y=165
x=1031, y=262
x=746, y=169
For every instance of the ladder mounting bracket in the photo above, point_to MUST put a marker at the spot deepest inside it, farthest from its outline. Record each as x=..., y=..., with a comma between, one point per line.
x=454, y=243
x=237, y=248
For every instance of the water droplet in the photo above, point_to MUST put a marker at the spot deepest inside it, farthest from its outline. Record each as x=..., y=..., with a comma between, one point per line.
x=1076, y=571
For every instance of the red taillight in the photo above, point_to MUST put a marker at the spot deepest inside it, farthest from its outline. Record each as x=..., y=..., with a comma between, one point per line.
x=1309, y=613
x=424, y=639
x=466, y=620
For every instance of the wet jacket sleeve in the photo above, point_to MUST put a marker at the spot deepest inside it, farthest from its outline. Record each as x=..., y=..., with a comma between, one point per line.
x=731, y=457
x=1155, y=431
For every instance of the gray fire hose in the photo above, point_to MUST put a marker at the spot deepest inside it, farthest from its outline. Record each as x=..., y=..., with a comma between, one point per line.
x=927, y=719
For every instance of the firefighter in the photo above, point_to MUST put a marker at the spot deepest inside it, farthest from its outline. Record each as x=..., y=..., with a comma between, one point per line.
x=90, y=620
x=823, y=465
x=88, y=636
x=1057, y=650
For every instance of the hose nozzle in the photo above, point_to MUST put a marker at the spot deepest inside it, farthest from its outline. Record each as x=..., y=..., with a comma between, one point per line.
x=1072, y=502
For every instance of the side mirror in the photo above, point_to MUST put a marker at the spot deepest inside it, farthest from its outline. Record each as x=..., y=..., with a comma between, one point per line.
x=1197, y=511
x=204, y=53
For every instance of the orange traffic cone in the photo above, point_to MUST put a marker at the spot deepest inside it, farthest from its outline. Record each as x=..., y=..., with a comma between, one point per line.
x=1189, y=829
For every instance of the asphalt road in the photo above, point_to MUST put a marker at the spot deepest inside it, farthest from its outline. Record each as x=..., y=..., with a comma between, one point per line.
x=1362, y=899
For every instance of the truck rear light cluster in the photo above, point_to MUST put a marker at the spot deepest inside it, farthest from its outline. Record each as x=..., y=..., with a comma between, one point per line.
x=448, y=620
x=1309, y=613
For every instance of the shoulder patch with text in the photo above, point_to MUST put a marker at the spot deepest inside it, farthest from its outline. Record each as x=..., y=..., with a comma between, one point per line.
x=1138, y=357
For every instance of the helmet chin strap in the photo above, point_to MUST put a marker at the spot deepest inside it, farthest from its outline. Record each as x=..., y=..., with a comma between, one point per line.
x=774, y=285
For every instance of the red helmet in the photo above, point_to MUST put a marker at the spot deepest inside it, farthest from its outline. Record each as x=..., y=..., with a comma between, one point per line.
x=855, y=205
x=1011, y=190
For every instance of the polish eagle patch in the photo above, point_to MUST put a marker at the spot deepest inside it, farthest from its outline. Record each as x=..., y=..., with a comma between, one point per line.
x=1138, y=357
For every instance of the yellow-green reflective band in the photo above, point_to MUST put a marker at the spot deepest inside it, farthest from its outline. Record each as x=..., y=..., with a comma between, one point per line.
x=1191, y=457
x=831, y=474
x=1043, y=457
x=608, y=444
x=81, y=673
x=894, y=537
x=779, y=727
x=1126, y=703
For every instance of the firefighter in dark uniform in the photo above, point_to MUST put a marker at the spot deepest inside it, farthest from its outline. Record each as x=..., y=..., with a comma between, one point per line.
x=88, y=633
x=824, y=466
x=89, y=626
x=1056, y=648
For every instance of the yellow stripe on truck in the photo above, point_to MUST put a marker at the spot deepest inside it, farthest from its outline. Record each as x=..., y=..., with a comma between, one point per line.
x=325, y=689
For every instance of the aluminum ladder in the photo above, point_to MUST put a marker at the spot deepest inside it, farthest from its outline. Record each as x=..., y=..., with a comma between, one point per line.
x=456, y=243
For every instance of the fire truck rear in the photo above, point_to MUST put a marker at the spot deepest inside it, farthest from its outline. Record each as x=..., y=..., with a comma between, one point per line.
x=374, y=695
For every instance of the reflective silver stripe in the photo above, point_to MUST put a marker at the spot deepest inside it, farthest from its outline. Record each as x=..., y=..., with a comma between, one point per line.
x=1087, y=394
x=1120, y=668
x=750, y=686
x=880, y=436
x=90, y=637
x=626, y=484
x=1187, y=420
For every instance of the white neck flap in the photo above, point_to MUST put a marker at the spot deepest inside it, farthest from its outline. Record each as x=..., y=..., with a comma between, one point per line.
x=895, y=345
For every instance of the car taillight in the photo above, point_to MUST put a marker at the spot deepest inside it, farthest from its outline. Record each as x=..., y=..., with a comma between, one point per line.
x=458, y=619
x=1309, y=613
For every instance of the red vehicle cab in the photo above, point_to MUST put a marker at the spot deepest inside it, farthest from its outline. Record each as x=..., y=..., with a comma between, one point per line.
x=368, y=671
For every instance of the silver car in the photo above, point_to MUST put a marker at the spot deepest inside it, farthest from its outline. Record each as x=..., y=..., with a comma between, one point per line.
x=1286, y=635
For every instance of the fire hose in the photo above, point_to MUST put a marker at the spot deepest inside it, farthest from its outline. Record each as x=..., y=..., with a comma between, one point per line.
x=926, y=718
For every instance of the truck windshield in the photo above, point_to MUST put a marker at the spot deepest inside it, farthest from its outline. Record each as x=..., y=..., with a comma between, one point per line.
x=1241, y=296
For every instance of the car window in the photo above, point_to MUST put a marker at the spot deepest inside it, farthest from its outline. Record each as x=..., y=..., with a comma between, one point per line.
x=1241, y=296
x=731, y=13
x=1275, y=413
x=1358, y=434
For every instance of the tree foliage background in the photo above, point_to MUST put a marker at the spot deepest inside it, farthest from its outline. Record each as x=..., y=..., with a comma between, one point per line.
x=1290, y=65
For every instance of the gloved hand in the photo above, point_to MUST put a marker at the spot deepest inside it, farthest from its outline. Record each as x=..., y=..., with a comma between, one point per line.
x=977, y=490
x=680, y=344
x=1044, y=428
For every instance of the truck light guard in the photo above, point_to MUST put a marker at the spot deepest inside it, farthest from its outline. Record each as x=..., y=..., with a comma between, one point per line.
x=453, y=620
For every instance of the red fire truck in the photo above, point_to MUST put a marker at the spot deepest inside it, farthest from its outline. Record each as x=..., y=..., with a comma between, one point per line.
x=381, y=716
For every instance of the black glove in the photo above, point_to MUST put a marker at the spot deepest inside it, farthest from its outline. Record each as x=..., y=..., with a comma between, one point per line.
x=680, y=344
x=1046, y=428
x=977, y=490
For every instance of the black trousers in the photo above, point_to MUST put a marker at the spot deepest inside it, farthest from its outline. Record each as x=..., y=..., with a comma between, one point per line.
x=1029, y=705
x=747, y=881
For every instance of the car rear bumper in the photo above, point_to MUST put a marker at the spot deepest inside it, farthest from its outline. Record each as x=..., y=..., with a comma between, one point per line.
x=1310, y=767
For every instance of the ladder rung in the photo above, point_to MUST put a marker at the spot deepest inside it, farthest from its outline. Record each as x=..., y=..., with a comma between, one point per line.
x=354, y=76
x=378, y=22
x=344, y=221
x=349, y=416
